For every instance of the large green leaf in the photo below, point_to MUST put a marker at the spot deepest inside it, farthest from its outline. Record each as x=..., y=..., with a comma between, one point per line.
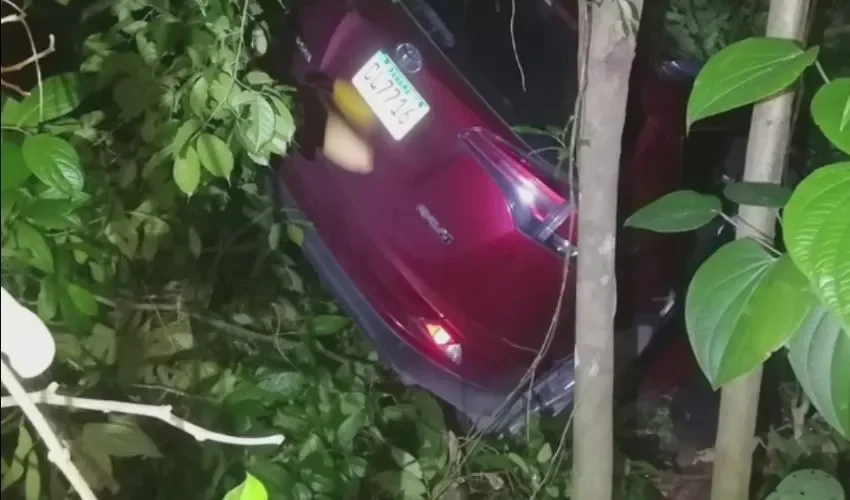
x=676, y=212
x=14, y=169
x=329, y=324
x=58, y=96
x=82, y=299
x=808, y=484
x=820, y=355
x=258, y=127
x=816, y=226
x=250, y=489
x=831, y=112
x=187, y=171
x=746, y=72
x=742, y=305
x=54, y=162
x=215, y=156
x=33, y=244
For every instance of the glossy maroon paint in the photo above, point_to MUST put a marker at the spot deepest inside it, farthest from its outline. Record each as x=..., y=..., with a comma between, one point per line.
x=492, y=288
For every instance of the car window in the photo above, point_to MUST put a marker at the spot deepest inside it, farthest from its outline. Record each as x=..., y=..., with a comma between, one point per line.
x=489, y=41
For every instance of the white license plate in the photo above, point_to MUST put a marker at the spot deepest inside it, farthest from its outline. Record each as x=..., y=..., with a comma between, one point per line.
x=390, y=94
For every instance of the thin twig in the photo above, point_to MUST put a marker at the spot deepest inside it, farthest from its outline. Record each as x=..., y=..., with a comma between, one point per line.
x=56, y=451
x=514, y=46
x=31, y=59
x=164, y=413
x=11, y=18
x=33, y=50
x=14, y=88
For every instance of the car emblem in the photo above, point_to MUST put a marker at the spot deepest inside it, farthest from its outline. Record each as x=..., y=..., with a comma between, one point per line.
x=408, y=58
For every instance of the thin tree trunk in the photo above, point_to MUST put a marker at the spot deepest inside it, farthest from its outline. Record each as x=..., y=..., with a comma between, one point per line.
x=608, y=62
x=770, y=132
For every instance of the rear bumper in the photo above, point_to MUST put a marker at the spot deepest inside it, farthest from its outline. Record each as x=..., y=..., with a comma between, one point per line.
x=486, y=407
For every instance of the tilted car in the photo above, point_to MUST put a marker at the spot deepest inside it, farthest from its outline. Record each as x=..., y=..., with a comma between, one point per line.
x=447, y=242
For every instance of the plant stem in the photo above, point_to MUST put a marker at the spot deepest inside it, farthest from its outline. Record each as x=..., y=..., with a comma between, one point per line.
x=767, y=148
x=822, y=72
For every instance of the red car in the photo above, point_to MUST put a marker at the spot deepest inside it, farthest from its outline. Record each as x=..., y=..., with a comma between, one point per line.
x=448, y=252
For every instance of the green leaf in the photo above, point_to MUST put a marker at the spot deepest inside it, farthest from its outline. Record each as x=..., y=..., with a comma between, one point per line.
x=22, y=450
x=187, y=171
x=544, y=454
x=742, y=305
x=395, y=482
x=258, y=128
x=54, y=162
x=82, y=299
x=47, y=302
x=52, y=214
x=407, y=462
x=817, y=235
x=746, y=72
x=94, y=463
x=196, y=246
x=32, y=481
x=58, y=95
x=284, y=383
x=33, y=244
x=168, y=340
x=274, y=236
x=102, y=344
x=183, y=134
x=258, y=78
x=820, y=355
x=329, y=324
x=831, y=112
x=295, y=233
x=284, y=127
x=759, y=194
x=215, y=156
x=250, y=489
x=808, y=484
x=275, y=477
x=676, y=212
x=349, y=428
x=428, y=411
x=14, y=169
x=198, y=97
x=120, y=439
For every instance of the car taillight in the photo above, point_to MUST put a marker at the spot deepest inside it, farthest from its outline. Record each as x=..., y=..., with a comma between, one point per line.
x=444, y=341
x=538, y=210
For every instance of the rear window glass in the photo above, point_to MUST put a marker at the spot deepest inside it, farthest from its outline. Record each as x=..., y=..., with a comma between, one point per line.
x=488, y=41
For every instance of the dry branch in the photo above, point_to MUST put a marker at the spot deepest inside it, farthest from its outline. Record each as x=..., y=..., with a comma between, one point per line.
x=57, y=452
x=164, y=413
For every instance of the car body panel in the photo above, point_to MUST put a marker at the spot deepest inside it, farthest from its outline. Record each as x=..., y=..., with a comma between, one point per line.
x=491, y=286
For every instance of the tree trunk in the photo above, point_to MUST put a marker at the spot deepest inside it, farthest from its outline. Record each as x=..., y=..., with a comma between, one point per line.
x=604, y=86
x=767, y=149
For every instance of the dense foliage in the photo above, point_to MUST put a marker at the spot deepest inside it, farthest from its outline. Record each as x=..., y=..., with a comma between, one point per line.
x=136, y=222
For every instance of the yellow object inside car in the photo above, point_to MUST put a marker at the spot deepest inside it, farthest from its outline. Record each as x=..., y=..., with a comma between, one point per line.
x=351, y=105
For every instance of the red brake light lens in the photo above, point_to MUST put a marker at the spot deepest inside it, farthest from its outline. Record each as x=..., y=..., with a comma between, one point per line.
x=444, y=341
